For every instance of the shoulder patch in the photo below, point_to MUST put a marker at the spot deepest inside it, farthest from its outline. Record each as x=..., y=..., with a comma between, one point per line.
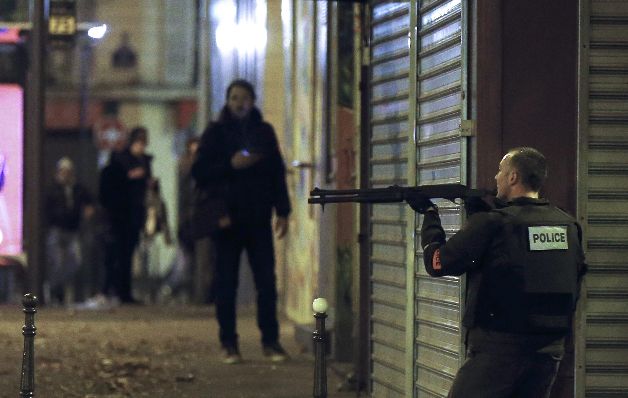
x=436, y=264
x=547, y=238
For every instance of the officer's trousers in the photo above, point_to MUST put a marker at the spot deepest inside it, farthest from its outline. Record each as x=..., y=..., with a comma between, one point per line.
x=505, y=375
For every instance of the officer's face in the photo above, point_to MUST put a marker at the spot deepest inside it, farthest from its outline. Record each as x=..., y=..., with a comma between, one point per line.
x=239, y=102
x=502, y=178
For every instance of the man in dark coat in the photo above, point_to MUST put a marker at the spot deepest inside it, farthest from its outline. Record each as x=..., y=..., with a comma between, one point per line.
x=240, y=166
x=123, y=184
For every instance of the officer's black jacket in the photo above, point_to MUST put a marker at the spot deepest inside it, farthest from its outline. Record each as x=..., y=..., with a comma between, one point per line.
x=470, y=250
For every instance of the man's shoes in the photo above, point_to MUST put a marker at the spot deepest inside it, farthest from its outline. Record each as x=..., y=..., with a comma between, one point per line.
x=275, y=352
x=231, y=355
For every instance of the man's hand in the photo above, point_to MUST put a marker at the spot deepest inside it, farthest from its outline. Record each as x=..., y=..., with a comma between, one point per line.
x=224, y=222
x=422, y=205
x=88, y=212
x=243, y=159
x=281, y=227
x=136, y=173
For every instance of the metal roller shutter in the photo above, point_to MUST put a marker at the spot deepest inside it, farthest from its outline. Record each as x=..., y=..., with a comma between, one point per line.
x=389, y=86
x=605, y=216
x=441, y=157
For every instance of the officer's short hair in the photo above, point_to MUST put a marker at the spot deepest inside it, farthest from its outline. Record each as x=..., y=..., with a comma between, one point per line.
x=531, y=165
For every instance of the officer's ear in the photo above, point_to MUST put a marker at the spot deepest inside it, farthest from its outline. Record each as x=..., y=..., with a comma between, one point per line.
x=513, y=177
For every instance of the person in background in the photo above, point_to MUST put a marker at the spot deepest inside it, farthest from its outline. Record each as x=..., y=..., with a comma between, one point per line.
x=179, y=280
x=123, y=185
x=524, y=264
x=156, y=213
x=67, y=204
x=149, y=259
x=239, y=162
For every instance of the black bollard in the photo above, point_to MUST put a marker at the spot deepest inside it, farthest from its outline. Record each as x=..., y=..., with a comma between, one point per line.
x=320, y=367
x=27, y=385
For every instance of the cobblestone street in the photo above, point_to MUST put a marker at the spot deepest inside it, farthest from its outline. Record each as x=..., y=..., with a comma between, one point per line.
x=149, y=351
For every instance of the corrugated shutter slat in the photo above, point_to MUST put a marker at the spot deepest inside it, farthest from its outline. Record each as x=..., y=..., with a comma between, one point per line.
x=389, y=92
x=439, y=159
x=606, y=221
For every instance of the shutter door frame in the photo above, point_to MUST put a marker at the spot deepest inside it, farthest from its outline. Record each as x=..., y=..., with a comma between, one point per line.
x=389, y=85
x=602, y=320
x=439, y=302
x=449, y=105
x=411, y=216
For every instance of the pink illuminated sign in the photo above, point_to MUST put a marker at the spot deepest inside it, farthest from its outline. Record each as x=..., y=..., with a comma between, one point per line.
x=9, y=35
x=11, y=169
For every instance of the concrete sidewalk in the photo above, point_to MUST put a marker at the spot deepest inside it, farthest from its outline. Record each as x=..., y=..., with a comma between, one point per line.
x=150, y=351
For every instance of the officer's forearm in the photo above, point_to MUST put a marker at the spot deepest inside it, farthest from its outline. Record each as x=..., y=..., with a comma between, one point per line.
x=431, y=229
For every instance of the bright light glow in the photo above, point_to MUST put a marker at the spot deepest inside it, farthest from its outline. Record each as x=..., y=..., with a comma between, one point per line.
x=225, y=11
x=260, y=12
x=246, y=38
x=97, y=32
x=286, y=22
x=286, y=9
x=246, y=35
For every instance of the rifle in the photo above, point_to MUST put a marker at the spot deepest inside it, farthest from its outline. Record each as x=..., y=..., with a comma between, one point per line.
x=396, y=193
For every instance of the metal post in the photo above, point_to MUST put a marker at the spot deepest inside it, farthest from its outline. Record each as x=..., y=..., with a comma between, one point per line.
x=85, y=60
x=33, y=148
x=27, y=385
x=362, y=326
x=320, y=367
x=204, y=66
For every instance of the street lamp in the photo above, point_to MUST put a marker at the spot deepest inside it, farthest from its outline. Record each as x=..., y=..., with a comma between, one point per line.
x=97, y=32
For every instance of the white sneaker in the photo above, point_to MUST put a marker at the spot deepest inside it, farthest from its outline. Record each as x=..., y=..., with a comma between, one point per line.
x=231, y=355
x=98, y=302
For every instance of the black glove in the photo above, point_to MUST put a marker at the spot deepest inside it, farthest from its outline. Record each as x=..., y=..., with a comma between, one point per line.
x=421, y=204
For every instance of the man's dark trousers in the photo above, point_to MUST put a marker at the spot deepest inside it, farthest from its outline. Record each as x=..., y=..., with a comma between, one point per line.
x=257, y=240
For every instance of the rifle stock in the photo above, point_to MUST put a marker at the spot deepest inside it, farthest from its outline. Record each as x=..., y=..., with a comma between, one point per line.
x=395, y=193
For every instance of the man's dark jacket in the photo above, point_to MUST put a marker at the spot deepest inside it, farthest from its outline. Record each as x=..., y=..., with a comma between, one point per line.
x=124, y=198
x=62, y=214
x=250, y=194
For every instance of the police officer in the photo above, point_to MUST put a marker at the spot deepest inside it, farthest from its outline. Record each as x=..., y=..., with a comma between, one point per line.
x=524, y=263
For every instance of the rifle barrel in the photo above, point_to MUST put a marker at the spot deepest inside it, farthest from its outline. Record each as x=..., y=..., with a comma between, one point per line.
x=380, y=195
x=393, y=193
x=356, y=199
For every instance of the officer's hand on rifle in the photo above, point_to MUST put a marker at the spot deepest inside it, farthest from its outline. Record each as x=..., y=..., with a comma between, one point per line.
x=422, y=205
